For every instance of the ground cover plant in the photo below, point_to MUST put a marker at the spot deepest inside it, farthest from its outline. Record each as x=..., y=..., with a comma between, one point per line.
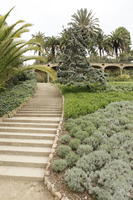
x=80, y=101
x=12, y=97
x=102, y=162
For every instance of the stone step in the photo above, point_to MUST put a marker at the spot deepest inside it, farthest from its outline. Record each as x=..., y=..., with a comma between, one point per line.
x=45, y=102
x=23, y=161
x=37, y=136
x=27, y=130
x=37, y=115
x=41, y=109
x=22, y=173
x=26, y=139
x=20, y=150
x=30, y=125
x=39, y=112
x=25, y=142
x=36, y=108
x=32, y=120
x=43, y=105
x=38, y=105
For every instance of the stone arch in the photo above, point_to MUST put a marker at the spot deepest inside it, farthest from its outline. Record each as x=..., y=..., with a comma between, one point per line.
x=113, y=70
x=128, y=69
x=97, y=66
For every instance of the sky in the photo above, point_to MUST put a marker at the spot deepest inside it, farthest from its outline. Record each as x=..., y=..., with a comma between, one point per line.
x=49, y=16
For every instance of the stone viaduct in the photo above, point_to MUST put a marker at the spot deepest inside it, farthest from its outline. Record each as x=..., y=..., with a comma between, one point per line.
x=105, y=66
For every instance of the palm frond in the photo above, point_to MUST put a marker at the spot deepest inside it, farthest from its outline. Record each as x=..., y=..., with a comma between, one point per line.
x=52, y=73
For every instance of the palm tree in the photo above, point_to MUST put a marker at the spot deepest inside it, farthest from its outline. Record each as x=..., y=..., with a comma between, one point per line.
x=87, y=22
x=39, y=39
x=121, y=40
x=52, y=47
x=12, y=51
x=100, y=42
x=85, y=19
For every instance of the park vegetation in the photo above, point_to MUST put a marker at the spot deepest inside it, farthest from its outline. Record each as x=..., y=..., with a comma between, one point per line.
x=95, y=151
x=13, y=49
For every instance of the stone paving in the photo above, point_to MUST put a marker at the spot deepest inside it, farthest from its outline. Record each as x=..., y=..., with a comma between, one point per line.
x=25, y=144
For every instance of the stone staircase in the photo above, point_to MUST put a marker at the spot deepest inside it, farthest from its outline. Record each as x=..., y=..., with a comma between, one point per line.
x=27, y=138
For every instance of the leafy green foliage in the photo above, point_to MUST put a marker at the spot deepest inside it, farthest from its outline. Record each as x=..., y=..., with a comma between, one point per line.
x=81, y=135
x=65, y=139
x=121, y=40
x=71, y=159
x=74, y=68
x=74, y=143
x=63, y=151
x=27, y=75
x=59, y=165
x=78, y=101
x=11, y=98
x=12, y=50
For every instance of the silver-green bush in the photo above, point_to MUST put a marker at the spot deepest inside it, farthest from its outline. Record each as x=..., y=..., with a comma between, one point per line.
x=74, y=143
x=84, y=149
x=93, y=161
x=71, y=159
x=75, y=178
x=63, y=151
x=59, y=165
x=65, y=139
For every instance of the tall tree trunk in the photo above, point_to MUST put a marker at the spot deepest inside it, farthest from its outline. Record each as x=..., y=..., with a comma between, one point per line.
x=100, y=52
x=116, y=52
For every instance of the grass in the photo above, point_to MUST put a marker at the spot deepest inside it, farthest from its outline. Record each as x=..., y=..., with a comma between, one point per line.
x=79, y=101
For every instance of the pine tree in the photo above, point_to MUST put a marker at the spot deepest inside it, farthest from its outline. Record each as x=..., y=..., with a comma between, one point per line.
x=75, y=68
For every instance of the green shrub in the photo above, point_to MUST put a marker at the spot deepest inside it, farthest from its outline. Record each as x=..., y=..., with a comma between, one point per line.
x=71, y=159
x=75, y=179
x=106, y=153
x=63, y=151
x=65, y=139
x=114, y=180
x=69, y=125
x=11, y=98
x=88, y=126
x=80, y=102
x=92, y=141
x=123, y=77
x=81, y=135
x=93, y=161
x=74, y=144
x=24, y=76
x=59, y=165
x=84, y=149
x=74, y=130
x=90, y=129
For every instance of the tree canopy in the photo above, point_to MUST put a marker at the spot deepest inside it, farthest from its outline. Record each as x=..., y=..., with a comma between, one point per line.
x=74, y=68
